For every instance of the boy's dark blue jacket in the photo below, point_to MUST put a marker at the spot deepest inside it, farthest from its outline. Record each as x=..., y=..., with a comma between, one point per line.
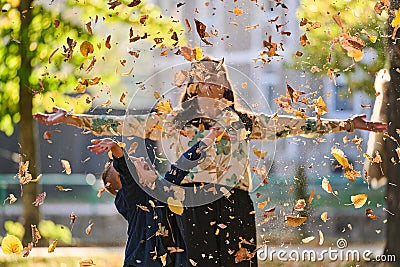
x=145, y=246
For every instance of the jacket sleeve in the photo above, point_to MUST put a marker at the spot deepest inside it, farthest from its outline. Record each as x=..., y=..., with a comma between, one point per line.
x=189, y=159
x=131, y=191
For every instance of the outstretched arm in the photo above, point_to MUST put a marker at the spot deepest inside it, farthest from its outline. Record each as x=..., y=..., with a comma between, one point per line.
x=266, y=127
x=144, y=126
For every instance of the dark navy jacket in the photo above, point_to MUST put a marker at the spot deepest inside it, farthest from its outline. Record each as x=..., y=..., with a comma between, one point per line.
x=144, y=247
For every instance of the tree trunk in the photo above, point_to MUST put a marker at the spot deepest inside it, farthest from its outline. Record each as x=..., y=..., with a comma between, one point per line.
x=26, y=134
x=393, y=115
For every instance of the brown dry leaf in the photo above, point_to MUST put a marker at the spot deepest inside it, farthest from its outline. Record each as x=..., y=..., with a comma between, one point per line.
x=132, y=148
x=72, y=218
x=269, y=211
x=26, y=250
x=187, y=53
x=359, y=200
x=242, y=254
x=303, y=40
x=175, y=249
x=311, y=197
x=52, y=246
x=237, y=11
x=381, y=5
x=326, y=185
x=86, y=48
x=201, y=30
x=324, y=216
x=39, y=199
x=61, y=188
x=369, y=214
x=164, y=106
x=300, y=205
x=284, y=103
x=10, y=198
x=47, y=135
x=260, y=154
x=308, y=239
x=353, y=45
x=88, y=229
x=35, y=234
x=349, y=172
x=338, y=20
x=107, y=44
x=134, y=3
x=294, y=221
x=175, y=205
x=262, y=205
x=66, y=166
x=86, y=263
x=122, y=98
x=262, y=173
x=180, y=77
x=293, y=94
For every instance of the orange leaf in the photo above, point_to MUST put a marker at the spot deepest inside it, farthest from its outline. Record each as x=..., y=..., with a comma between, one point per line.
x=294, y=221
x=359, y=200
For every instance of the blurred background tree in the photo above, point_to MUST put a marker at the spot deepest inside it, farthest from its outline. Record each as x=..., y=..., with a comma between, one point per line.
x=49, y=58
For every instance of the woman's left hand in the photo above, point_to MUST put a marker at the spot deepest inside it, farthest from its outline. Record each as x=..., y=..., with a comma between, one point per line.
x=361, y=124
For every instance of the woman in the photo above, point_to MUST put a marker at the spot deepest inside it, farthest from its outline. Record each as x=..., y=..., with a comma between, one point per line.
x=221, y=231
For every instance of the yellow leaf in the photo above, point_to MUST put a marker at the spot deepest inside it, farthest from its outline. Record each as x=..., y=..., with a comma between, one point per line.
x=262, y=205
x=294, y=221
x=198, y=53
x=320, y=107
x=259, y=153
x=340, y=157
x=219, y=137
x=324, y=216
x=66, y=166
x=164, y=106
x=326, y=185
x=356, y=54
x=163, y=259
x=86, y=48
x=396, y=23
x=237, y=11
x=11, y=244
x=372, y=38
x=86, y=262
x=175, y=206
x=359, y=200
x=52, y=246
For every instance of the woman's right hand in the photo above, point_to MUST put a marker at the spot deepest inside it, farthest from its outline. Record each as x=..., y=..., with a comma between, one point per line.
x=59, y=116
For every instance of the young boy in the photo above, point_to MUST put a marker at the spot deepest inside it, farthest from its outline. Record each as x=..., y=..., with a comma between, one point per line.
x=151, y=228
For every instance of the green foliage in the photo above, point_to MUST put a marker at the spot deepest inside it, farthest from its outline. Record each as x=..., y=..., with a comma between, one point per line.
x=356, y=17
x=55, y=76
x=51, y=231
x=14, y=228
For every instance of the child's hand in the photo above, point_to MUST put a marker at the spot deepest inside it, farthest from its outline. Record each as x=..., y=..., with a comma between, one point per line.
x=104, y=145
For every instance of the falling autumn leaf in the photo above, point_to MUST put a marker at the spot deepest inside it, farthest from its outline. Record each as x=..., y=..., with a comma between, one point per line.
x=39, y=199
x=164, y=106
x=294, y=221
x=72, y=218
x=303, y=40
x=66, y=166
x=108, y=45
x=237, y=11
x=396, y=23
x=198, y=53
x=359, y=200
x=35, y=234
x=86, y=263
x=369, y=214
x=300, y=205
x=86, y=48
x=326, y=185
x=321, y=238
x=260, y=154
x=320, y=107
x=308, y=239
x=201, y=30
x=10, y=198
x=11, y=245
x=61, y=188
x=88, y=229
x=175, y=205
x=52, y=246
x=324, y=216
